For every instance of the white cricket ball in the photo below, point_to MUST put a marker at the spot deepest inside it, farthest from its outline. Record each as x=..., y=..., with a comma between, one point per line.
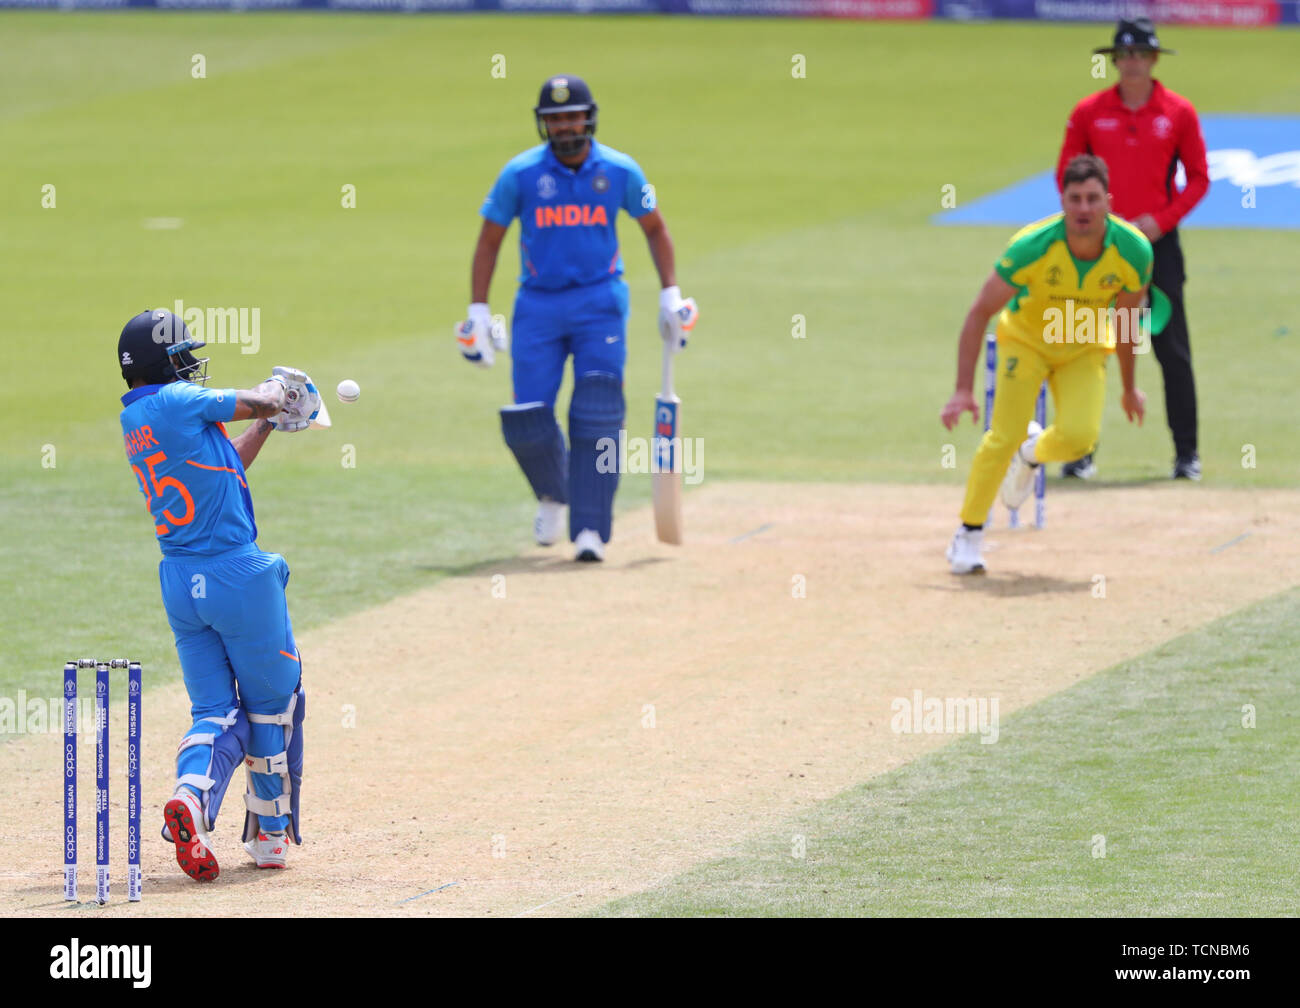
x=348, y=390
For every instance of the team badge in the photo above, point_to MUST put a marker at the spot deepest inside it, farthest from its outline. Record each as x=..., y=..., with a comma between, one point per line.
x=600, y=183
x=546, y=187
x=1110, y=280
x=560, y=91
x=1162, y=126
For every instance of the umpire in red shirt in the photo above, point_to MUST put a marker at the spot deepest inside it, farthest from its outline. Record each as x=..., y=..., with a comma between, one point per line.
x=1142, y=130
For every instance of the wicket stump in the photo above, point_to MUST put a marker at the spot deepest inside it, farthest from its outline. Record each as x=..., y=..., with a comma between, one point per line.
x=134, y=689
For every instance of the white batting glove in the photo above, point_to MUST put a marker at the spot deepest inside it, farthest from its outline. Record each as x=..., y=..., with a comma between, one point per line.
x=475, y=338
x=676, y=317
x=301, y=400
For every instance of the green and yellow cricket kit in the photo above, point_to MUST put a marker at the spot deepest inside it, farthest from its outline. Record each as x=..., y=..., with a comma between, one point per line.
x=1058, y=327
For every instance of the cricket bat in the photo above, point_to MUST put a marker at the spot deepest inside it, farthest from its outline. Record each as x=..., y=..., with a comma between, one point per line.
x=666, y=448
x=321, y=421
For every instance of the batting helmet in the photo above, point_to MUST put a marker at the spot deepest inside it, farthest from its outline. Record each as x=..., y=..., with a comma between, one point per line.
x=564, y=93
x=156, y=347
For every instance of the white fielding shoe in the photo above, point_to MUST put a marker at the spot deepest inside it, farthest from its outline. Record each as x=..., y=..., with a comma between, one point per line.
x=1019, y=480
x=549, y=523
x=965, y=552
x=588, y=547
x=269, y=849
x=183, y=816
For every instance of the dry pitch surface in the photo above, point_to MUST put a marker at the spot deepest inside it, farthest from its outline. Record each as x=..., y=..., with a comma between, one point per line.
x=538, y=737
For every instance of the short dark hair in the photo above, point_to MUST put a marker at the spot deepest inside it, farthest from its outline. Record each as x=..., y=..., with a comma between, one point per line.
x=1083, y=167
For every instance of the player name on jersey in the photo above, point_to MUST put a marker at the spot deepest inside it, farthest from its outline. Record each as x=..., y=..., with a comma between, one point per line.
x=139, y=439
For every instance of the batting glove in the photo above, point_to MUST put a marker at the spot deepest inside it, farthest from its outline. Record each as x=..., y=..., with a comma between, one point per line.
x=676, y=317
x=475, y=338
x=301, y=400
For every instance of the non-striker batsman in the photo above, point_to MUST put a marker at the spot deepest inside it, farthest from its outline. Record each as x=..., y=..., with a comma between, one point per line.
x=572, y=301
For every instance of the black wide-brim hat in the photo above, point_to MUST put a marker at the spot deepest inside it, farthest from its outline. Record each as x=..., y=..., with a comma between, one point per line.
x=1139, y=33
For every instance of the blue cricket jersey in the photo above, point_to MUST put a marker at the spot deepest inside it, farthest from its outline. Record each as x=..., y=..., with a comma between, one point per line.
x=188, y=471
x=566, y=217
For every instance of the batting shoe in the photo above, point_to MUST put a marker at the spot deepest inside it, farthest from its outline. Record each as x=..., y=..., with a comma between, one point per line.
x=549, y=523
x=183, y=819
x=1019, y=480
x=587, y=547
x=268, y=850
x=966, y=551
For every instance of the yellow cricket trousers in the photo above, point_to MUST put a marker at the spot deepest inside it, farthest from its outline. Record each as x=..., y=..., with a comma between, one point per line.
x=1078, y=389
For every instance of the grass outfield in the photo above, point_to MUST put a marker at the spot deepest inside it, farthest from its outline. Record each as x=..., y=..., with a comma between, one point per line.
x=786, y=197
x=1196, y=811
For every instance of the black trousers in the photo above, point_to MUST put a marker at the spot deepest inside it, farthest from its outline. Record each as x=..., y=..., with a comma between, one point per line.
x=1173, y=347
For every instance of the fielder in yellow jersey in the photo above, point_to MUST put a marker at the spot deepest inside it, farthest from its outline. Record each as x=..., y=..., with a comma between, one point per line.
x=1070, y=289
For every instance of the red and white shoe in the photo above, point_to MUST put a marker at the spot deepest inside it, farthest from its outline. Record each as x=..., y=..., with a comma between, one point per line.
x=183, y=816
x=269, y=850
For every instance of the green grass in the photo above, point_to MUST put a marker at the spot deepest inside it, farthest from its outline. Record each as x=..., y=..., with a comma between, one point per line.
x=786, y=197
x=1196, y=810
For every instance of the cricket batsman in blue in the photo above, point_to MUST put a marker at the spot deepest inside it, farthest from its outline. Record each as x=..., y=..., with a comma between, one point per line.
x=572, y=301
x=223, y=596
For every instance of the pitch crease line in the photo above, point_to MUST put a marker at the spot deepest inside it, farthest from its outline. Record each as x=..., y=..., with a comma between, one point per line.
x=1230, y=542
x=547, y=903
x=439, y=889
